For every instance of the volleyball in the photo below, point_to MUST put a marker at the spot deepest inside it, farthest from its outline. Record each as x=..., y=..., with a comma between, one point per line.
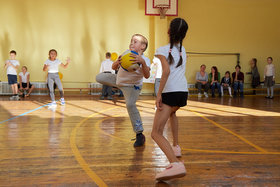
x=114, y=56
x=126, y=62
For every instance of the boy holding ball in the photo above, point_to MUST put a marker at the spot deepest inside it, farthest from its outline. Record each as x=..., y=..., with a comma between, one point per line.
x=131, y=83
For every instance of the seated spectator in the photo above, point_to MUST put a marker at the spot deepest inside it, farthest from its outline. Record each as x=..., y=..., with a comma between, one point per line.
x=24, y=84
x=238, y=81
x=226, y=83
x=214, y=79
x=202, y=81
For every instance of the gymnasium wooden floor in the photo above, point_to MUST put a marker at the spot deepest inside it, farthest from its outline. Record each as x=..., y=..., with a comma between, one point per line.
x=226, y=142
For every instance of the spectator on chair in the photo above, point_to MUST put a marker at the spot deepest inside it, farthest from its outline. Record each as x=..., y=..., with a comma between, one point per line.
x=24, y=84
x=255, y=75
x=226, y=83
x=214, y=79
x=106, y=67
x=202, y=81
x=238, y=81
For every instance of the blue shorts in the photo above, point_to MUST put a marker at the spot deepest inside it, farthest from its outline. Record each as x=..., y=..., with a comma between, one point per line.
x=12, y=79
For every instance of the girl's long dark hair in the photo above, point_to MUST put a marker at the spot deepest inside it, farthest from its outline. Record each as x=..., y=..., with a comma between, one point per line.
x=177, y=32
x=216, y=73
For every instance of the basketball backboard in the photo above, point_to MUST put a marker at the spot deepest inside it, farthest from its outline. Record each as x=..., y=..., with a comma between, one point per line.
x=153, y=7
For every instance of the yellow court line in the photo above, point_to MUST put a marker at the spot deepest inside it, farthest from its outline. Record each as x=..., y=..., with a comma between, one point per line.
x=78, y=155
x=229, y=131
x=97, y=127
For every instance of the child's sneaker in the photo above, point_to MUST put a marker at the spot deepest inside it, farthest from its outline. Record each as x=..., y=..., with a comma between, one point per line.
x=52, y=104
x=177, y=150
x=206, y=94
x=174, y=170
x=199, y=95
x=140, y=140
x=62, y=101
x=17, y=98
x=12, y=98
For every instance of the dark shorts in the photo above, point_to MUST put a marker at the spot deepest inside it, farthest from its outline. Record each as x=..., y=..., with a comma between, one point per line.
x=24, y=85
x=178, y=99
x=12, y=79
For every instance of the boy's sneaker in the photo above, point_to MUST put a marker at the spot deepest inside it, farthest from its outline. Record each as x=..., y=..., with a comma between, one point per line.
x=12, y=98
x=52, y=104
x=17, y=98
x=177, y=150
x=199, y=95
x=206, y=94
x=174, y=170
x=62, y=101
x=140, y=140
x=110, y=98
x=102, y=98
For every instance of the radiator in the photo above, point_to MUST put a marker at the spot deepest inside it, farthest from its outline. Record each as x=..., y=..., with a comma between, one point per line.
x=94, y=91
x=5, y=88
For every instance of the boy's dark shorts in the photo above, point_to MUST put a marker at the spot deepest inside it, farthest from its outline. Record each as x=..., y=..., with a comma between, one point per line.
x=12, y=79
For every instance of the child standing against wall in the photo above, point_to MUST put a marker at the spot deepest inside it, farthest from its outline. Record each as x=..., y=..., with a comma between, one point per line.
x=12, y=65
x=269, y=77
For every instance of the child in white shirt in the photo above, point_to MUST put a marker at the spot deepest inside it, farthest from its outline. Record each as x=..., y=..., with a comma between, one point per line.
x=24, y=83
x=106, y=67
x=269, y=77
x=12, y=65
x=172, y=94
x=51, y=65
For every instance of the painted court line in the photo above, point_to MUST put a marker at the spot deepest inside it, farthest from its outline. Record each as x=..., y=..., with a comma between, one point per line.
x=97, y=127
x=28, y=112
x=229, y=131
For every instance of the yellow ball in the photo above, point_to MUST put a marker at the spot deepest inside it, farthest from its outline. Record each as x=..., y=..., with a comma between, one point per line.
x=126, y=62
x=60, y=75
x=114, y=57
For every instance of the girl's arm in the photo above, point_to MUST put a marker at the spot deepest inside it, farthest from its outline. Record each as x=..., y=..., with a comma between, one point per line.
x=67, y=63
x=163, y=80
x=46, y=67
x=264, y=72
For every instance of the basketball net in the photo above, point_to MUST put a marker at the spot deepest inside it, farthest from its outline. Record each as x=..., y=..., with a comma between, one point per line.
x=162, y=10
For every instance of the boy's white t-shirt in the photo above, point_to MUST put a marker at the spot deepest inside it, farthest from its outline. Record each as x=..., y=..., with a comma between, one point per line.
x=176, y=81
x=23, y=77
x=106, y=66
x=53, y=65
x=125, y=78
x=10, y=69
